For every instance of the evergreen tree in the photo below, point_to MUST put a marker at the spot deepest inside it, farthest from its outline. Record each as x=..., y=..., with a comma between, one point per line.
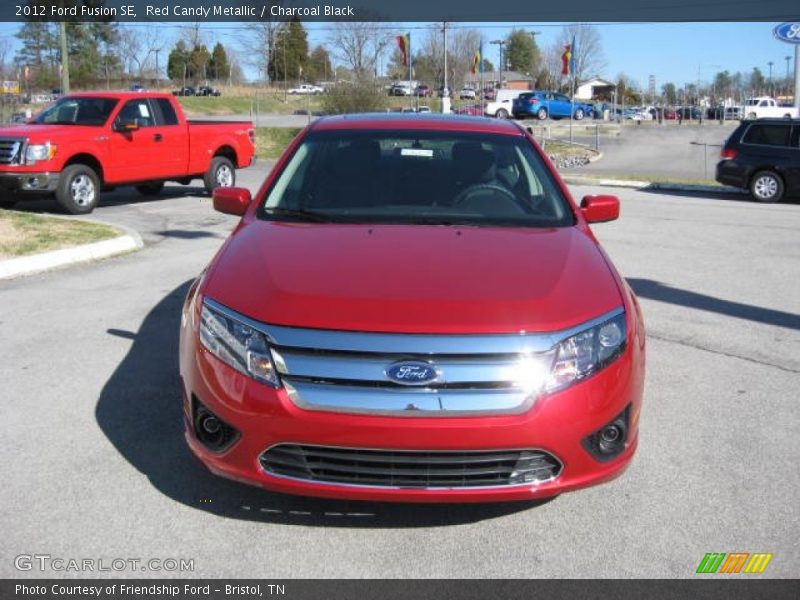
x=522, y=53
x=291, y=52
x=218, y=66
x=319, y=65
x=177, y=62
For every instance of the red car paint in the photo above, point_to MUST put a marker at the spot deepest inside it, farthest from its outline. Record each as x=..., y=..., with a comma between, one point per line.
x=478, y=280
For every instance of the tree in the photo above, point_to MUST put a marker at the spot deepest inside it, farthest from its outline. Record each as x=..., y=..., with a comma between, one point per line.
x=757, y=81
x=259, y=43
x=138, y=48
x=38, y=53
x=670, y=93
x=178, y=61
x=359, y=45
x=522, y=54
x=488, y=66
x=588, y=50
x=291, y=52
x=627, y=91
x=197, y=63
x=722, y=84
x=219, y=67
x=319, y=65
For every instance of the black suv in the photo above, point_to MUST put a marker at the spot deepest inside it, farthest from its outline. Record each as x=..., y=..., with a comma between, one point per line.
x=763, y=156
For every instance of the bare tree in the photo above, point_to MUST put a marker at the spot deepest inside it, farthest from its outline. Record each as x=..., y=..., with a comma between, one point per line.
x=5, y=48
x=360, y=45
x=550, y=76
x=258, y=43
x=588, y=54
x=461, y=47
x=139, y=47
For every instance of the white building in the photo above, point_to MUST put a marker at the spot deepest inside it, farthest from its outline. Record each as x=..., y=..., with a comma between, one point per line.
x=592, y=88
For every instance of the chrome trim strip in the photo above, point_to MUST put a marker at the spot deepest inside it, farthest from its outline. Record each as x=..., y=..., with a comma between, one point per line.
x=412, y=343
x=372, y=368
x=408, y=402
x=432, y=488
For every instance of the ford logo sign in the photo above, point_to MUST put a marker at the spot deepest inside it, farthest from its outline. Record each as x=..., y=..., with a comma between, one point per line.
x=410, y=372
x=788, y=32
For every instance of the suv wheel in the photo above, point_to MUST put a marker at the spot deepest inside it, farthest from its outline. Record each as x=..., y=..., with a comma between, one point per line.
x=501, y=114
x=78, y=189
x=220, y=173
x=541, y=114
x=766, y=186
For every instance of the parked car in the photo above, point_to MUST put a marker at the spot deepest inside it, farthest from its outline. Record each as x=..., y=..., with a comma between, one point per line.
x=207, y=90
x=543, y=105
x=186, y=90
x=423, y=91
x=306, y=89
x=137, y=87
x=489, y=93
x=469, y=109
x=734, y=113
x=690, y=112
x=764, y=106
x=356, y=366
x=467, y=93
x=401, y=89
x=764, y=157
x=444, y=92
x=83, y=143
x=501, y=106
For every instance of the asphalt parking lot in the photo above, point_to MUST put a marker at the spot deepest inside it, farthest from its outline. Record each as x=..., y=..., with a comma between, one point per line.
x=96, y=466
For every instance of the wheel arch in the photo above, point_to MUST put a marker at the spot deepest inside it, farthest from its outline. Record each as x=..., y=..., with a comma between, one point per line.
x=89, y=160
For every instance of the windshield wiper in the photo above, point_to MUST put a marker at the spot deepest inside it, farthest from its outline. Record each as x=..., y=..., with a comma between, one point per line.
x=304, y=215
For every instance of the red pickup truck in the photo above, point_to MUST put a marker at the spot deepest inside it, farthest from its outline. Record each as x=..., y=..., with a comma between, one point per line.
x=84, y=143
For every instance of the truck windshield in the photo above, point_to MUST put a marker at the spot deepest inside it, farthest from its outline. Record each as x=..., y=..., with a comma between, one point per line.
x=417, y=177
x=92, y=111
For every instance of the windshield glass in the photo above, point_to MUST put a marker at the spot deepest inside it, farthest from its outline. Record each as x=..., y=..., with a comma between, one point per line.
x=77, y=111
x=423, y=177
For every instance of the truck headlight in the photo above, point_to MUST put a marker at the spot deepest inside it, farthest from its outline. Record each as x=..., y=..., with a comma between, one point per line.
x=238, y=345
x=587, y=352
x=36, y=152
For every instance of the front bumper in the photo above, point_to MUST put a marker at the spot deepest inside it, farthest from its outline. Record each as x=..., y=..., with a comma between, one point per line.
x=557, y=424
x=34, y=183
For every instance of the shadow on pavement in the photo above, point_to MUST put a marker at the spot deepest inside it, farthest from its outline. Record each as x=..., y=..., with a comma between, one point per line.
x=655, y=290
x=139, y=411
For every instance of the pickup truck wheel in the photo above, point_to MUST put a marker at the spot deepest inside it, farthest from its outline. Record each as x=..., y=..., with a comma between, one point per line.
x=502, y=113
x=150, y=189
x=766, y=186
x=221, y=173
x=78, y=189
x=541, y=114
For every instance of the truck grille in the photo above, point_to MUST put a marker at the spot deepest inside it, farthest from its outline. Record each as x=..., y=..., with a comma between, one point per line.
x=10, y=151
x=411, y=469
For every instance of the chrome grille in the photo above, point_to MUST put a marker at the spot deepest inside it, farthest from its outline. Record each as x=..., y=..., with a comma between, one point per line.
x=411, y=469
x=348, y=372
x=10, y=151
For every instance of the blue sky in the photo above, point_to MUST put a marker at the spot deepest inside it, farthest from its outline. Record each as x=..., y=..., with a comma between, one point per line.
x=670, y=51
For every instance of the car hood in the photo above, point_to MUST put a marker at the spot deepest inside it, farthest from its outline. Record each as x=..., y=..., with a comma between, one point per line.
x=413, y=279
x=42, y=133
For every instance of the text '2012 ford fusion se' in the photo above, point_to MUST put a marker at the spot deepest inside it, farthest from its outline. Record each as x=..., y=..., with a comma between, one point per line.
x=413, y=308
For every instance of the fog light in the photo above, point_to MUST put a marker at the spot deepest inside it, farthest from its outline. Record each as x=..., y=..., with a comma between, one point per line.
x=212, y=431
x=609, y=441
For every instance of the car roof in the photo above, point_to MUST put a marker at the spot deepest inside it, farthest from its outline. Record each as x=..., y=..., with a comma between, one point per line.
x=417, y=121
x=117, y=95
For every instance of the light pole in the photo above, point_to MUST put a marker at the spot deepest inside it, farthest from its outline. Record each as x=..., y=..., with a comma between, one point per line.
x=769, y=86
x=500, y=43
x=788, y=81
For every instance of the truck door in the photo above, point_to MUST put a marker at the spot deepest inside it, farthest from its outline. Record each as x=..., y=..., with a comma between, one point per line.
x=174, y=143
x=136, y=155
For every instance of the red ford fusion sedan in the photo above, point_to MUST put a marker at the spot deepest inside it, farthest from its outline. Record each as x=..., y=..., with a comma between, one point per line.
x=414, y=309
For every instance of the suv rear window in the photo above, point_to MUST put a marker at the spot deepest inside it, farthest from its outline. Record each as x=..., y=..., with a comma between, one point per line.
x=767, y=134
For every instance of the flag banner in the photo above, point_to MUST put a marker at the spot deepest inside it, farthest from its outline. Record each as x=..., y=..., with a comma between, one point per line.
x=477, y=62
x=572, y=54
x=566, y=59
x=404, y=44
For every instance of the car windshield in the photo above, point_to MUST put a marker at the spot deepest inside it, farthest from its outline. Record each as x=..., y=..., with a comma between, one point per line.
x=417, y=177
x=93, y=111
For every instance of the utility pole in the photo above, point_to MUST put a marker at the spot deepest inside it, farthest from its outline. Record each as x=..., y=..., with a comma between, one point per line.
x=788, y=81
x=445, y=90
x=500, y=43
x=64, y=58
x=771, y=89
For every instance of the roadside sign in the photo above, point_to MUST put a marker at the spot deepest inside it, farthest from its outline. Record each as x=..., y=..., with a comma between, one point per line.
x=10, y=87
x=788, y=32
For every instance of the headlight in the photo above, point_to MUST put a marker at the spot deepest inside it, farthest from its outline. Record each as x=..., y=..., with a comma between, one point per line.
x=587, y=352
x=36, y=152
x=238, y=345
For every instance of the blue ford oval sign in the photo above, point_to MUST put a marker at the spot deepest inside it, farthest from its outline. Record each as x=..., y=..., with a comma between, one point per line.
x=411, y=372
x=788, y=32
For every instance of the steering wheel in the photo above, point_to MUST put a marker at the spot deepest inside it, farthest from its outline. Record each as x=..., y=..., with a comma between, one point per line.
x=467, y=193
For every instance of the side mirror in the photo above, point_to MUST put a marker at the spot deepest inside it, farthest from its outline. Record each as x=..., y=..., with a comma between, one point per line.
x=231, y=200
x=126, y=125
x=599, y=209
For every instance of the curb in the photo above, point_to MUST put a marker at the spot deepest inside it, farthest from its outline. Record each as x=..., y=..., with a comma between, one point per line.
x=650, y=185
x=37, y=263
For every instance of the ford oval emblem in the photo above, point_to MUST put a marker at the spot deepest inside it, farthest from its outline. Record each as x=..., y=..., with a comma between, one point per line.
x=411, y=372
x=788, y=32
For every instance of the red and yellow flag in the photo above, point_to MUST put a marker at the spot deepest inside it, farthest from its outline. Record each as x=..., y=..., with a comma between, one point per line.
x=404, y=44
x=566, y=59
x=476, y=62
